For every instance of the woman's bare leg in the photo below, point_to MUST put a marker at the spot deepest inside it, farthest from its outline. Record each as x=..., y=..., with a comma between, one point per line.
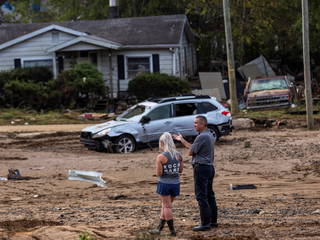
x=167, y=207
x=162, y=210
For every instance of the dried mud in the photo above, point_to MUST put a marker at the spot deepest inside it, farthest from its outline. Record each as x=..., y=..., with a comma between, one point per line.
x=283, y=164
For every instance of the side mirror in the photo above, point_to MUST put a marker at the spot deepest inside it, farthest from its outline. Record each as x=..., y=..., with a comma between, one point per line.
x=145, y=119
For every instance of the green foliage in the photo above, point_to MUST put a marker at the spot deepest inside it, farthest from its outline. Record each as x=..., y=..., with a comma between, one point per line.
x=86, y=236
x=79, y=87
x=25, y=87
x=25, y=94
x=34, y=74
x=157, y=85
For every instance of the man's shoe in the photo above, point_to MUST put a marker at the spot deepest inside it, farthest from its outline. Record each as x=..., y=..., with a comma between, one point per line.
x=202, y=228
x=213, y=225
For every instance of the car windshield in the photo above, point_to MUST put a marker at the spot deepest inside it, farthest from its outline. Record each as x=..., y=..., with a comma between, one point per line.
x=268, y=84
x=132, y=114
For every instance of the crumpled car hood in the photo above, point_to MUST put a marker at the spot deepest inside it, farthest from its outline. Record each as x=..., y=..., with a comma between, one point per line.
x=99, y=127
x=267, y=93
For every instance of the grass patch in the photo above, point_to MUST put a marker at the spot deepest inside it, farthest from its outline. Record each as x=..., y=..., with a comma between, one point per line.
x=14, y=116
x=86, y=236
x=282, y=113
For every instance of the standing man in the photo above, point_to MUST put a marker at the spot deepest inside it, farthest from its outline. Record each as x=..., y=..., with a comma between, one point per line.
x=202, y=152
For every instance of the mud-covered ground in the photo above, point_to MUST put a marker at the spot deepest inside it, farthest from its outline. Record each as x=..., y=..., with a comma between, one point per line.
x=283, y=164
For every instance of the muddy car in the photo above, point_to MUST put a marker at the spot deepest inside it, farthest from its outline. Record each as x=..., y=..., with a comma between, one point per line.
x=144, y=123
x=272, y=92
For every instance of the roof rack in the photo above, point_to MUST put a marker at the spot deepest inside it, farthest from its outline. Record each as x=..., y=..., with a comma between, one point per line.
x=172, y=99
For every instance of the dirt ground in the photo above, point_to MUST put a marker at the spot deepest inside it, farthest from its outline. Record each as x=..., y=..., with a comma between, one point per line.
x=283, y=164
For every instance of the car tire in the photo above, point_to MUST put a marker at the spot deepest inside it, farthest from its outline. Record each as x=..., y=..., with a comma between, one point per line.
x=215, y=131
x=125, y=144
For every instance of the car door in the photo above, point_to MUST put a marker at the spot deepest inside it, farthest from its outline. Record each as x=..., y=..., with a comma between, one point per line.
x=160, y=122
x=184, y=114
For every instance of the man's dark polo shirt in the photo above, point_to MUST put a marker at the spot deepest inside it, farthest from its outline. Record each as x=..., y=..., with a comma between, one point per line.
x=203, y=148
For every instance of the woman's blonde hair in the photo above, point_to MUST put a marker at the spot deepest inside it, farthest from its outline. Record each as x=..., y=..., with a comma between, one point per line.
x=167, y=145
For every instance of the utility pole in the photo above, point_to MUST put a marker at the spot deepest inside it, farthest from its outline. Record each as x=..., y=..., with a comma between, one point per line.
x=230, y=55
x=306, y=63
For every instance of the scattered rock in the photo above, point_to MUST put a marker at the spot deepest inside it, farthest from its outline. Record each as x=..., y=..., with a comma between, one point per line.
x=316, y=211
x=243, y=123
x=254, y=211
x=118, y=196
x=280, y=198
x=16, y=198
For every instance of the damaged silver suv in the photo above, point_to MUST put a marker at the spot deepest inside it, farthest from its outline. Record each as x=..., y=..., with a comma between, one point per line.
x=144, y=123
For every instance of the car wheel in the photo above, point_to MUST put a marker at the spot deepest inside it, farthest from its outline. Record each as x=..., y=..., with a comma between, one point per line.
x=214, y=130
x=125, y=144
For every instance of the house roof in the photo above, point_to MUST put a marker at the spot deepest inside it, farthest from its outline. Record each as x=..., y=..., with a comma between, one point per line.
x=86, y=39
x=139, y=31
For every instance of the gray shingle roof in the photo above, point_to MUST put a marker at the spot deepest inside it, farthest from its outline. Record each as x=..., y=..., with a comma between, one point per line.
x=126, y=31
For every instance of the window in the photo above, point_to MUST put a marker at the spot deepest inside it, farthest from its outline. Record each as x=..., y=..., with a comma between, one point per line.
x=39, y=63
x=160, y=113
x=268, y=84
x=205, y=107
x=84, y=54
x=185, y=109
x=93, y=56
x=138, y=65
x=133, y=113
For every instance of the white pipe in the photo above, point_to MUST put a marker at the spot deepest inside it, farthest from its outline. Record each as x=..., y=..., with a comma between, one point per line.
x=112, y=3
x=174, y=63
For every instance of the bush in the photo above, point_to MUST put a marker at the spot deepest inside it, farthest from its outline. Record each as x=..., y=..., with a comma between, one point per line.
x=34, y=74
x=79, y=87
x=157, y=85
x=26, y=94
x=25, y=87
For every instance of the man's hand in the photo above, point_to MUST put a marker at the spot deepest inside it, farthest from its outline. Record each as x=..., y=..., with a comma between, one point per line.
x=177, y=137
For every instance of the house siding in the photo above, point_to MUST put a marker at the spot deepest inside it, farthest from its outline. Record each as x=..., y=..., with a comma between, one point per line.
x=188, y=58
x=81, y=47
x=32, y=48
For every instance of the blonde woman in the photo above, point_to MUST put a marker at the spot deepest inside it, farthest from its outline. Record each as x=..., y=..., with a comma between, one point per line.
x=169, y=165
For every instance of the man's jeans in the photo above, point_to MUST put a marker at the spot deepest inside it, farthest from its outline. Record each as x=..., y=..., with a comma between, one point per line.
x=203, y=180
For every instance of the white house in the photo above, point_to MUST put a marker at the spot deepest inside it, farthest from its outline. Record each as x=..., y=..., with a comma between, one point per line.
x=121, y=48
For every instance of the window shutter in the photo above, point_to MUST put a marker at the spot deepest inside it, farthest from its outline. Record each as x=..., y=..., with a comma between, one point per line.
x=17, y=63
x=121, y=74
x=156, y=63
x=60, y=64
